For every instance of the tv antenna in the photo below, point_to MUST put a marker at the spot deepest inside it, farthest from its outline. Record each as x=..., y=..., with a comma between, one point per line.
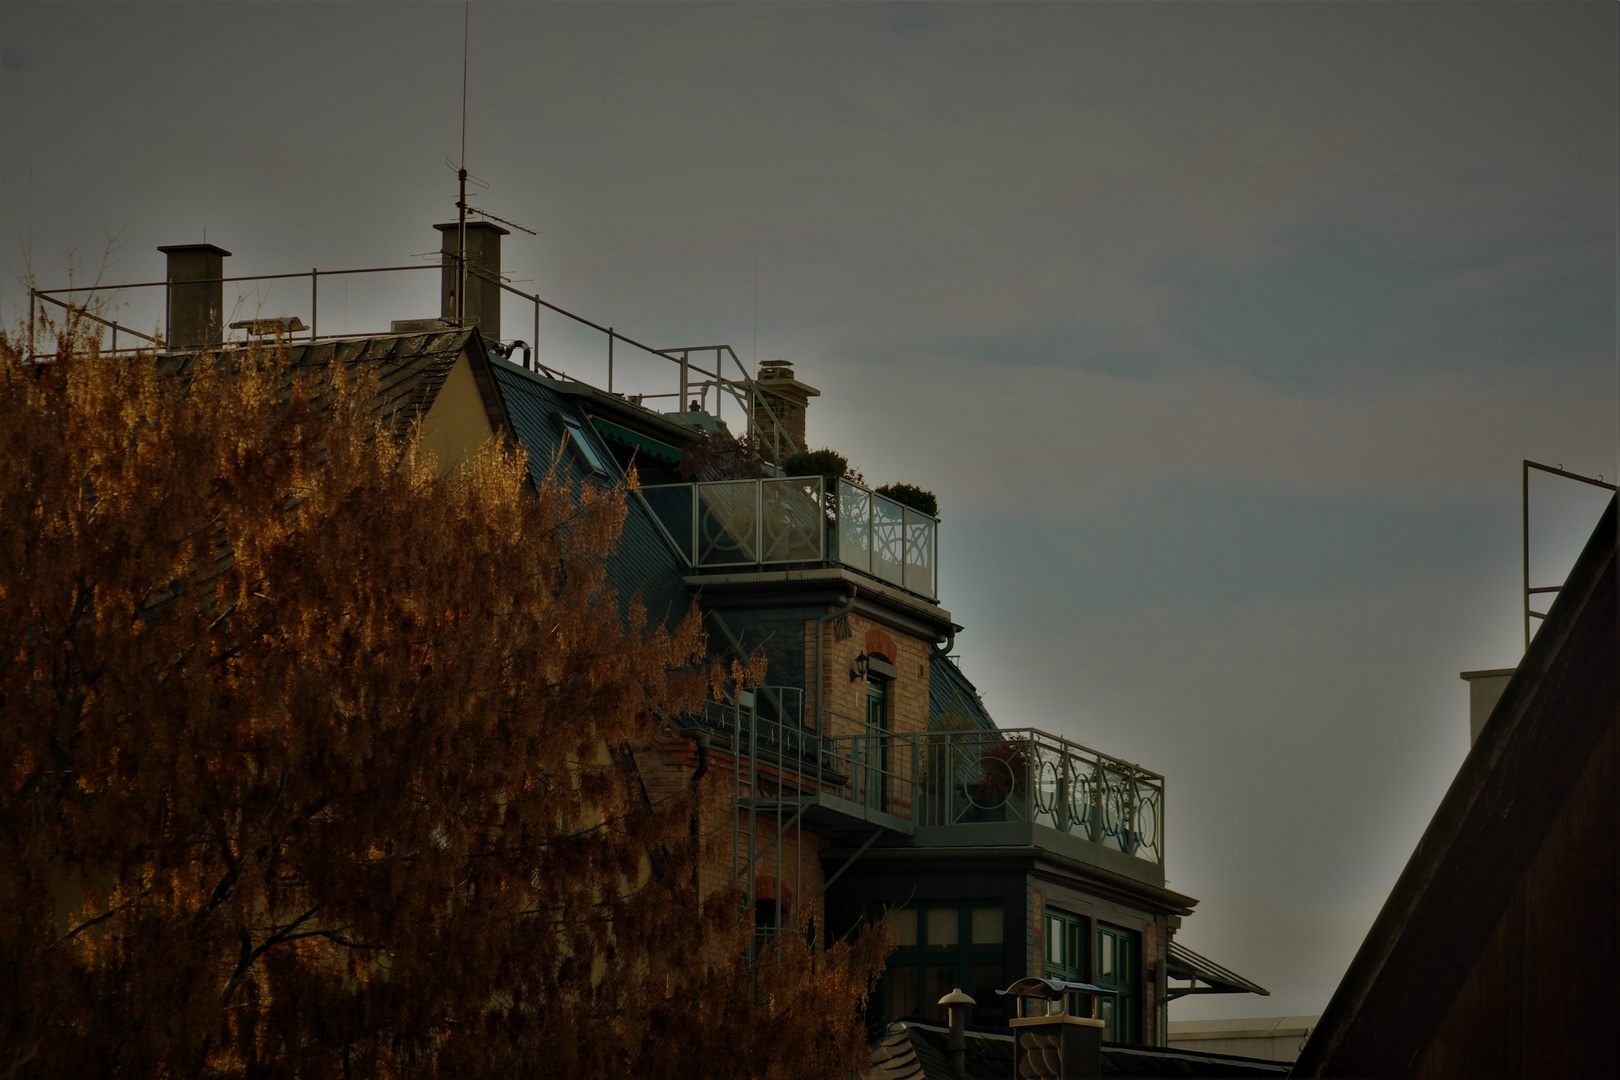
x=462, y=177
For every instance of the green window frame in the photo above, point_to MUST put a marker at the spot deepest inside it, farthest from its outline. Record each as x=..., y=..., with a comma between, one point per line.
x=1066, y=936
x=942, y=946
x=1119, y=966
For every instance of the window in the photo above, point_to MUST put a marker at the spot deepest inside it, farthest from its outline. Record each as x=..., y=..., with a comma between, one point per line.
x=1118, y=962
x=582, y=446
x=1066, y=955
x=938, y=948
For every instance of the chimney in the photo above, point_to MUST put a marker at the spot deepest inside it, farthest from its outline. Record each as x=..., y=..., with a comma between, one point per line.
x=482, y=306
x=196, y=315
x=787, y=398
x=956, y=1003
x=1484, y=691
x=1049, y=1044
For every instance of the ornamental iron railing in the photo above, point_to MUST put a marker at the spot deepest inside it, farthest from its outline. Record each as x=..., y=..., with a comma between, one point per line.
x=733, y=524
x=944, y=778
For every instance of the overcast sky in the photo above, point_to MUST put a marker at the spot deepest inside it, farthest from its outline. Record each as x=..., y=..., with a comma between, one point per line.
x=1220, y=331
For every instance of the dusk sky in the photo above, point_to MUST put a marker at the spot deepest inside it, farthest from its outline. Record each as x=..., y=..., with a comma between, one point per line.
x=1219, y=330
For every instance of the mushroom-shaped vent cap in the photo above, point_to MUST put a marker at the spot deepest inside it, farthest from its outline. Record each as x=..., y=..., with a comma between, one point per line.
x=956, y=997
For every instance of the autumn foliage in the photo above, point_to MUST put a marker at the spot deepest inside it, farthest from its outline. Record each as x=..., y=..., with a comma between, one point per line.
x=316, y=762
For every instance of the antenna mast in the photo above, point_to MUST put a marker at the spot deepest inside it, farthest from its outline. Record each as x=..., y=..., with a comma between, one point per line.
x=461, y=179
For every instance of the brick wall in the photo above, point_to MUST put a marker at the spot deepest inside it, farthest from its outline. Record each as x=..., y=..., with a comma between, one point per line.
x=843, y=640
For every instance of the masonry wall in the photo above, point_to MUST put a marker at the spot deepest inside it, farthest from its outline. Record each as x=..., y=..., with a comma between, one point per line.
x=845, y=638
x=791, y=870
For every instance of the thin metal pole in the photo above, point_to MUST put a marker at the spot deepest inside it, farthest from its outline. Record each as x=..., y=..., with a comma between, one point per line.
x=610, y=359
x=684, y=361
x=1524, y=507
x=31, y=324
x=314, y=303
x=536, y=338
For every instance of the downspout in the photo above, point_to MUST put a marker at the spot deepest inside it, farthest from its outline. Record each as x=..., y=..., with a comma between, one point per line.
x=945, y=650
x=821, y=683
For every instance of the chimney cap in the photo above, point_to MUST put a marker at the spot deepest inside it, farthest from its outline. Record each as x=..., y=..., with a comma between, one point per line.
x=956, y=997
x=452, y=226
x=169, y=248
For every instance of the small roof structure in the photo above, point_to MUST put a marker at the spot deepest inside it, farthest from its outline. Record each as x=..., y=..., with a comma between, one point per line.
x=1186, y=964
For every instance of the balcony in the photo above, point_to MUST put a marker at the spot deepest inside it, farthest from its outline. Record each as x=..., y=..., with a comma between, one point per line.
x=957, y=787
x=766, y=524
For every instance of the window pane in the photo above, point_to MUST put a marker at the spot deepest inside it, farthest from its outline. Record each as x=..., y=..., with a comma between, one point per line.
x=902, y=992
x=888, y=540
x=728, y=522
x=1054, y=940
x=941, y=981
x=1105, y=954
x=672, y=505
x=987, y=926
x=905, y=928
x=793, y=520
x=1105, y=1013
x=854, y=527
x=942, y=930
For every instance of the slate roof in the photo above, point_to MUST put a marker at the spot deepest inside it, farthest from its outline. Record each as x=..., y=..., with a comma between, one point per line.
x=644, y=564
x=952, y=698
x=909, y=1050
x=410, y=367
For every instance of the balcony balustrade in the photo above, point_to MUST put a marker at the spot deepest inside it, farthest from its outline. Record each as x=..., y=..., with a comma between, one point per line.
x=736, y=524
x=947, y=778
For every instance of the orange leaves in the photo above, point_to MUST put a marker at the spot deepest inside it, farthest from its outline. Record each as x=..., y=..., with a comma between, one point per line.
x=323, y=729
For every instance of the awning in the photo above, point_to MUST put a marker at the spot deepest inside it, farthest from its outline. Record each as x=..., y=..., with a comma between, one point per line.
x=1195, y=969
x=636, y=441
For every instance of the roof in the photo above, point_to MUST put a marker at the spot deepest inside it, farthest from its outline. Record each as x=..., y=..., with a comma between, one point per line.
x=410, y=367
x=643, y=564
x=1448, y=902
x=909, y=1050
x=953, y=700
x=1186, y=964
x=1246, y=1027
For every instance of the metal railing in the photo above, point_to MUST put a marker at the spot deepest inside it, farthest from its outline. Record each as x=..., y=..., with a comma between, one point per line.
x=946, y=778
x=693, y=380
x=730, y=524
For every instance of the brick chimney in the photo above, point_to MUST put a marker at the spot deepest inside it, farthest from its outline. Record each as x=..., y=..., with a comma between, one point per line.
x=483, y=303
x=788, y=399
x=196, y=316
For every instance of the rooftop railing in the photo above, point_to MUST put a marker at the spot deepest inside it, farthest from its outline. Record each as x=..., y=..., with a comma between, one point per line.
x=737, y=524
x=950, y=778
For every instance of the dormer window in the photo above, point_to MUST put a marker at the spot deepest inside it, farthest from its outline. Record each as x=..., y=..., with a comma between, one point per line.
x=582, y=446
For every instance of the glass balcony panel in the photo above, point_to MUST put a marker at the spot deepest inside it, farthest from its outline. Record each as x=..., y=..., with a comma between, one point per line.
x=888, y=540
x=671, y=504
x=854, y=527
x=792, y=518
x=920, y=532
x=728, y=522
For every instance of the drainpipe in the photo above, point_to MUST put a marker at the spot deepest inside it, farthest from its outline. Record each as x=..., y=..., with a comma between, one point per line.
x=821, y=682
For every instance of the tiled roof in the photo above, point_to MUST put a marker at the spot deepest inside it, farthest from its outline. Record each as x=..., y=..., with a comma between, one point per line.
x=644, y=564
x=953, y=699
x=410, y=367
x=909, y=1050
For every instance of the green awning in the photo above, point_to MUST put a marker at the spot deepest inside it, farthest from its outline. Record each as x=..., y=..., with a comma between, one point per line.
x=643, y=443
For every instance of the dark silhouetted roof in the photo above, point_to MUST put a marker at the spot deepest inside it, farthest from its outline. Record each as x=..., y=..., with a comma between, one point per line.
x=410, y=368
x=909, y=1050
x=643, y=564
x=1449, y=900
